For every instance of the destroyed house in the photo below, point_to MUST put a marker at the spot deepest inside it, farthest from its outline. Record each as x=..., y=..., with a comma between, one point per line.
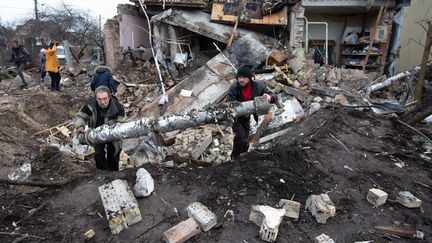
x=350, y=34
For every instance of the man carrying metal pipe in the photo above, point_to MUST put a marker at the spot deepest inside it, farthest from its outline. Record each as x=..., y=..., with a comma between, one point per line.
x=102, y=109
x=245, y=89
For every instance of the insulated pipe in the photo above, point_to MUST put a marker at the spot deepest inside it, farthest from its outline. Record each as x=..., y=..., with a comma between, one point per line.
x=223, y=112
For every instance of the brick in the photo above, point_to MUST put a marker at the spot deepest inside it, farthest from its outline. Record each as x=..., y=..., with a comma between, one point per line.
x=376, y=196
x=321, y=207
x=205, y=218
x=323, y=238
x=120, y=205
x=182, y=231
x=268, y=219
x=292, y=208
x=408, y=200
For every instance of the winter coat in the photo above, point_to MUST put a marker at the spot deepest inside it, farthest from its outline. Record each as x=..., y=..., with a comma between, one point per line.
x=42, y=60
x=103, y=76
x=258, y=89
x=52, y=64
x=88, y=116
x=20, y=55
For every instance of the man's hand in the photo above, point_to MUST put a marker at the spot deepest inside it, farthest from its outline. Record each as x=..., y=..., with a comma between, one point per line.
x=80, y=129
x=269, y=98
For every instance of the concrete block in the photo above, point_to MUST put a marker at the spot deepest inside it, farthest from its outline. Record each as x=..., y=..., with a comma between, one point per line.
x=205, y=218
x=323, y=238
x=182, y=231
x=144, y=183
x=408, y=200
x=321, y=207
x=292, y=208
x=268, y=219
x=376, y=196
x=120, y=205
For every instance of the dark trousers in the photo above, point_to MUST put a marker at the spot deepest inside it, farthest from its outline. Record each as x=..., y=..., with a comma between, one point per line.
x=20, y=68
x=105, y=157
x=55, y=81
x=241, y=128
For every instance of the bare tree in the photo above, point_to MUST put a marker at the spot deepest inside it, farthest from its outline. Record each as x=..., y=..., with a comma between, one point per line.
x=75, y=25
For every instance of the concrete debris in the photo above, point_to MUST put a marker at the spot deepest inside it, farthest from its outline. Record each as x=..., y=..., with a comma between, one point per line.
x=182, y=231
x=144, y=183
x=376, y=196
x=268, y=219
x=278, y=57
x=314, y=107
x=323, y=238
x=321, y=207
x=192, y=143
x=120, y=205
x=125, y=161
x=89, y=234
x=340, y=99
x=229, y=215
x=205, y=218
x=21, y=173
x=408, y=200
x=292, y=208
x=296, y=64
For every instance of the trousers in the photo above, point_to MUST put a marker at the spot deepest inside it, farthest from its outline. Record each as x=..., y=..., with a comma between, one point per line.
x=105, y=157
x=241, y=129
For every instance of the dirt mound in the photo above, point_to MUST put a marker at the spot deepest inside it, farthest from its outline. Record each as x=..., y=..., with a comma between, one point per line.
x=342, y=152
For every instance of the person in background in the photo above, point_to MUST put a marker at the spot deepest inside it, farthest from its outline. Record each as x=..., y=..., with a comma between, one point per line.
x=52, y=66
x=21, y=58
x=245, y=88
x=103, y=76
x=103, y=108
x=42, y=60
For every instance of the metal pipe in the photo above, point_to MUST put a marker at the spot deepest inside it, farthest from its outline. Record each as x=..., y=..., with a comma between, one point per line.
x=147, y=125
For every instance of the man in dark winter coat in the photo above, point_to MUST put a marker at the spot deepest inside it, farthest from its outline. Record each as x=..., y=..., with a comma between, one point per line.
x=21, y=57
x=103, y=76
x=245, y=89
x=102, y=109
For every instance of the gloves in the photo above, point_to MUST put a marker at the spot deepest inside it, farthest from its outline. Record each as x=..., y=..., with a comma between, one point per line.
x=80, y=129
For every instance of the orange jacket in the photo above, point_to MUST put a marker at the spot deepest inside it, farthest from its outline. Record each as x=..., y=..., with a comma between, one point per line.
x=52, y=64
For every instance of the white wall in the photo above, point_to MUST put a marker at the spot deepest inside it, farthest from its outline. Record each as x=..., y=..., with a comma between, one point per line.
x=133, y=32
x=413, y=36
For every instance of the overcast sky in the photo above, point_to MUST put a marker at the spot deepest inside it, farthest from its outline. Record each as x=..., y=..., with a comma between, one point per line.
x=12, y=10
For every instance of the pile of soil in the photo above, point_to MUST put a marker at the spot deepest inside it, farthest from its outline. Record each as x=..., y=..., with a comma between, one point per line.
x=341, y=152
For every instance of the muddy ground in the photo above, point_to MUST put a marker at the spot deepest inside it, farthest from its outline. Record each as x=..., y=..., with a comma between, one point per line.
x=341, y=151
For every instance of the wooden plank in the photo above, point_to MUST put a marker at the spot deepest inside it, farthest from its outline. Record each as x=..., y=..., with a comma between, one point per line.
x=372, y=37
x=279, y=18
x=262, y=127
x=233, y=33
x=274, y=135
x=399, y=231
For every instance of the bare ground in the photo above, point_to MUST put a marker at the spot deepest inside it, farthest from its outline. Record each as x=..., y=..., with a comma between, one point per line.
x=310, y=159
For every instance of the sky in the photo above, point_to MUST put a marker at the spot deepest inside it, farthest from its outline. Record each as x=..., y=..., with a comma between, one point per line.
x=13, y=10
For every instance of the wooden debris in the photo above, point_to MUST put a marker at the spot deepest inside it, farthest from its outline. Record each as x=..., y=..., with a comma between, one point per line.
x=262, y=127
x=66, y=123
x=35, y=183
x=399, y=231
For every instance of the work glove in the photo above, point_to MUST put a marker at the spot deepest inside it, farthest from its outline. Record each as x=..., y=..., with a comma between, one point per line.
x=80, y=129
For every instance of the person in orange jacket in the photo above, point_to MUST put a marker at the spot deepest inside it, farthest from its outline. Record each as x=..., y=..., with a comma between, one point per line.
x=52, y=66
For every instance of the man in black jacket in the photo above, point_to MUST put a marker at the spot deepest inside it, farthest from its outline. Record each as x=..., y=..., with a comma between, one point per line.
x=245, y=89
x=102, y=109
x=21, y=57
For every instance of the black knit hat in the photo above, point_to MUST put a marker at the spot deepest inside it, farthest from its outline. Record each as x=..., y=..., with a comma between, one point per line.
x=245, y=71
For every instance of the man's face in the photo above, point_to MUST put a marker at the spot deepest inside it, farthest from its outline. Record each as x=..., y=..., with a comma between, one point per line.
x=244, y=81
x=14, y=44
x=102, y=99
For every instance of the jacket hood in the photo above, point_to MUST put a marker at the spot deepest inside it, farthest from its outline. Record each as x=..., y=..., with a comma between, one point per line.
x=102, y=69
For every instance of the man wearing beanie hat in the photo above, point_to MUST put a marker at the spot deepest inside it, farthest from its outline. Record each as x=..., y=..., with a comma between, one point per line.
x=245, y=88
